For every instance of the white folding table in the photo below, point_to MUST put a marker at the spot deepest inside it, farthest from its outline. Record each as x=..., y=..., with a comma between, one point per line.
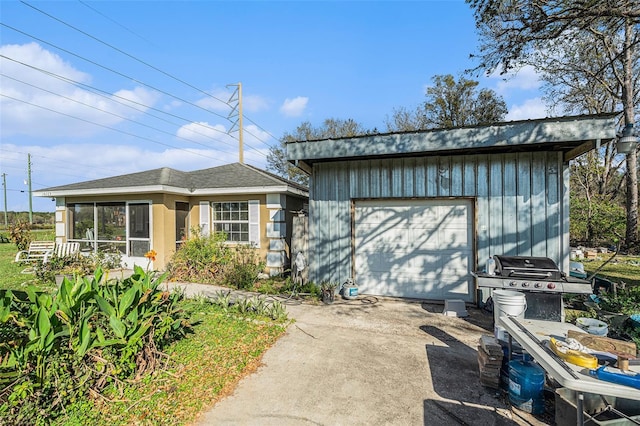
x=532, y=334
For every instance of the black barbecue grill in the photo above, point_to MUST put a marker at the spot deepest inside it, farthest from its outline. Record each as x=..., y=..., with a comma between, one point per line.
x=528, y=273
x=539, y=278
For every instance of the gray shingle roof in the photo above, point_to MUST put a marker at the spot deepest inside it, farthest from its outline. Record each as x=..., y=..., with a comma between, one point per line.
x=235, y=175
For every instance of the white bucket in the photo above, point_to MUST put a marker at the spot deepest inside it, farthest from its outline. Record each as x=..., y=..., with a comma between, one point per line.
x=593, y=326
x=509, y=303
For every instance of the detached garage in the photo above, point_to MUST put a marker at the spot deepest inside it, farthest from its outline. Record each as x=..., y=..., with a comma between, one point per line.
x=413, y=214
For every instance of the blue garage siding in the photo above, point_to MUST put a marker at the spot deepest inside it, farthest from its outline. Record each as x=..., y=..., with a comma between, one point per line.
x=521, y=202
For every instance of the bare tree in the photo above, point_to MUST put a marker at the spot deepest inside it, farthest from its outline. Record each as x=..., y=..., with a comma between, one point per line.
x=514, y=33
x=330, y=128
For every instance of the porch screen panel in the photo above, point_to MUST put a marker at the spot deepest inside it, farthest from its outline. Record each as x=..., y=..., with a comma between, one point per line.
x=139, y=229
x=81, y=224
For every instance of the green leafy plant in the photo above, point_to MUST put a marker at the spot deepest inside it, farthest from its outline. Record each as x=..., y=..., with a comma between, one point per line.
x=90, y=333
x=201, y=258
x=78, y=265
x=244, y=268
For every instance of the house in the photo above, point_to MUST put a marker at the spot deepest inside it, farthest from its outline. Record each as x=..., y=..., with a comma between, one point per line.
x=156, y=209
x=413, y=214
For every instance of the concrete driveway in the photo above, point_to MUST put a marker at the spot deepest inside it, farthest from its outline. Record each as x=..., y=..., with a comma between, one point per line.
x=369, y=361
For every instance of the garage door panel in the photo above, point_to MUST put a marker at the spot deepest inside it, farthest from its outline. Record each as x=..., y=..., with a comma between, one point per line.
x=454, y=237
x=408, y=286
x=377, y=239
x=414, y=248
x=394, y=263
x=454, y=215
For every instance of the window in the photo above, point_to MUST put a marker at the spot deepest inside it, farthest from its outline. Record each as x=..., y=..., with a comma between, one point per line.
x=233, y=219
x=182, y=222
x=110, y=227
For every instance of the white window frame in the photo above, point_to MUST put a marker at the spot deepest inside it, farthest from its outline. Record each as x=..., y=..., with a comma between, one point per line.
x=94, y=242
x=252, y=221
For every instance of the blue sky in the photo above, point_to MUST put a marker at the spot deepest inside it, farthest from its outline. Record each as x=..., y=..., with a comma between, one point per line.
x=141, y=85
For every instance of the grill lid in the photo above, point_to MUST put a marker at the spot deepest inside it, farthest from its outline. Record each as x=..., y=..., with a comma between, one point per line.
x=527, y=267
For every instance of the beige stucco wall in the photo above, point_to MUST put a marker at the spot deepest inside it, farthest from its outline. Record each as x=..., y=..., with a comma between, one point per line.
x=194, y=217
x=163, y=225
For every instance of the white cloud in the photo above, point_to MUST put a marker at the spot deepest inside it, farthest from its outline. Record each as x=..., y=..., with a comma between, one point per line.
x=219, y=101
x=51, y=164
x=529, y=109
x=294, y=107
x=525, y=78
x=204, y=132
x=255, y=103
x=41, y=105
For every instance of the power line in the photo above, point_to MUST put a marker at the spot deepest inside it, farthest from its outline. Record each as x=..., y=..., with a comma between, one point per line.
x=115, y=22
x=124, y=53
x=111, y=113
x=150, y=66
x=125, y=101
x=108, y=127
x=52, y=160
x=263, y=129
x=111, y=70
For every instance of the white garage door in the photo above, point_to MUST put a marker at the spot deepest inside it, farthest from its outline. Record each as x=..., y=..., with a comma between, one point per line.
x=414, y=248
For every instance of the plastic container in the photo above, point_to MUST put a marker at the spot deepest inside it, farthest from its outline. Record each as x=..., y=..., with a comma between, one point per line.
x=615, y=375
x=491, y=266
x=593, y=326
x=517, y=354
x=509, y=303
x=526, y=386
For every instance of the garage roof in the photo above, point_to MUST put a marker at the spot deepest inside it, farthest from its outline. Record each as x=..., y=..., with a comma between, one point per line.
x=571, y=135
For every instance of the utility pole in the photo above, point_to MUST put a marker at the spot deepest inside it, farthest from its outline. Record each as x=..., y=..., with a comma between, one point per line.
x=30, y=196
x=4, y=187
x=236, y=111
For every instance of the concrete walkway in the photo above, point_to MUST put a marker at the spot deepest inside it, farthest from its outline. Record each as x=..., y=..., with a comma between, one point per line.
x=368, y=361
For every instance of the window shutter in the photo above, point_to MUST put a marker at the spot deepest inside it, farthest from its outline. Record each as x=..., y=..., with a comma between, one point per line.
x=204, y=218
x=254, y=222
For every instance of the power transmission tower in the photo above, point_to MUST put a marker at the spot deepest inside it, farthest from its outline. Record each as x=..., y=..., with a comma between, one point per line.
x=4, y=187
x=236, y=112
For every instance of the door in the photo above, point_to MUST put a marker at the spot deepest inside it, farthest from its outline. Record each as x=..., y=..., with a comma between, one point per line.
x=415, y=248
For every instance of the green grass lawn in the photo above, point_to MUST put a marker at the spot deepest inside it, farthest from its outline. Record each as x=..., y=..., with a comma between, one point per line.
x=10, y=272
x=620, y=269
x=200, y=369
x=203, y=368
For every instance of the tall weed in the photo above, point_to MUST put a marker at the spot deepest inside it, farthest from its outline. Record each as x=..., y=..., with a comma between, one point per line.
x=201, y=258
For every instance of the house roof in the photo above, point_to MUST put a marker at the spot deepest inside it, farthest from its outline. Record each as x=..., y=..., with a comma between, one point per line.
x=232, y=178
x=570, y=135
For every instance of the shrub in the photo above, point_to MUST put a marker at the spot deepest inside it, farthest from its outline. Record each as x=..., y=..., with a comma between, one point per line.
x=624, y=301
x=244, y=268
x=57, y=348
x=20, y=234
x=77, y=265
x=200, y=258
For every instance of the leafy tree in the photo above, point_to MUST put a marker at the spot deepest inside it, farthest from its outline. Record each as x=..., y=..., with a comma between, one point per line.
x=330, y=128
x=449, y=104
x=597, y=215
x=552, y=36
